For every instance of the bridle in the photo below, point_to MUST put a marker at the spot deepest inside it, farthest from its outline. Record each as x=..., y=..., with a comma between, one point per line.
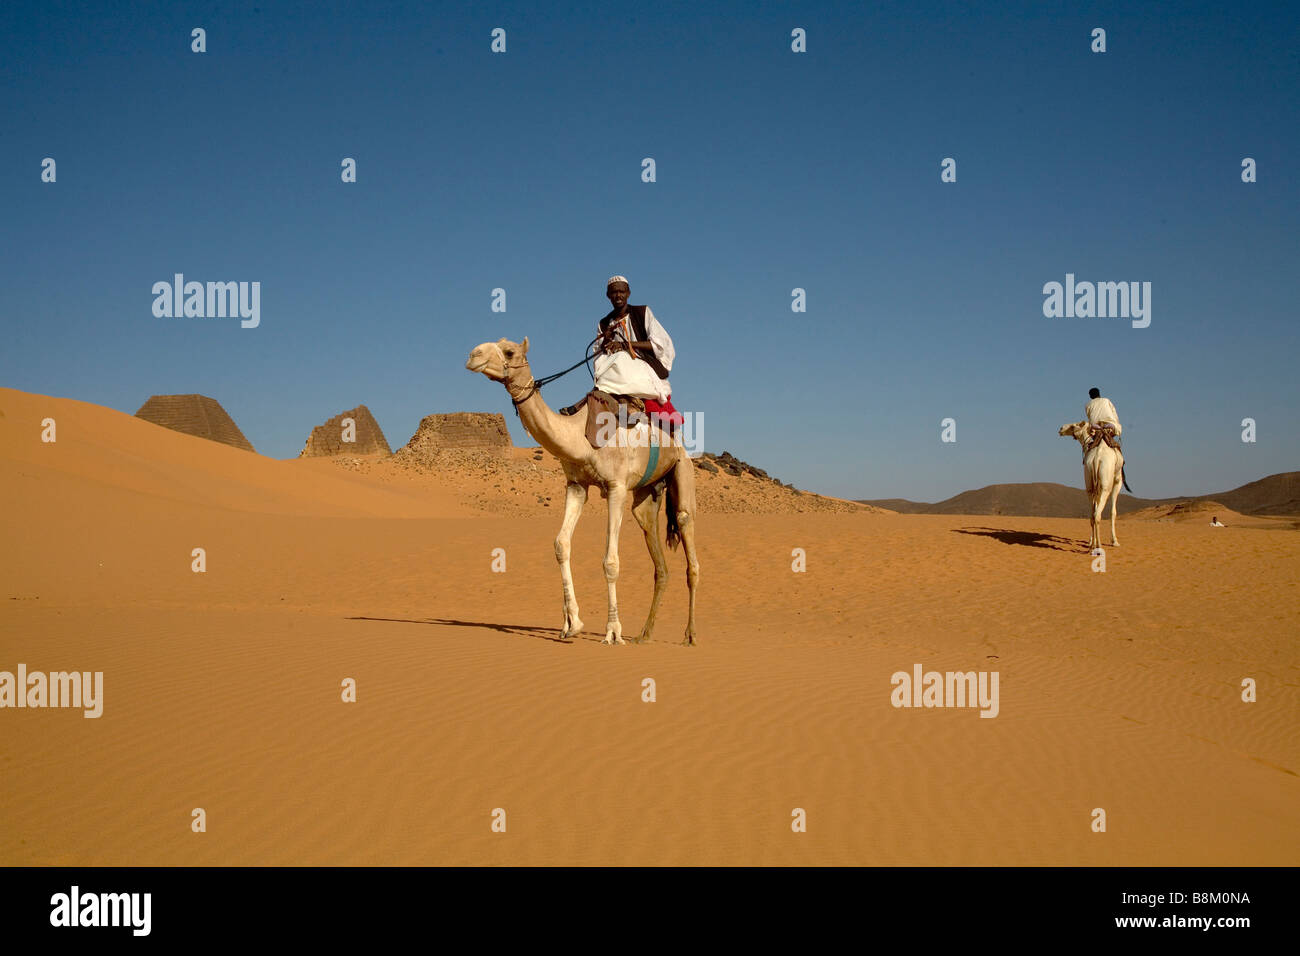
x=532, y=386
x=535, y=384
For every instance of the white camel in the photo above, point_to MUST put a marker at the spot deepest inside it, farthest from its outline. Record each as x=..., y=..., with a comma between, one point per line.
x=650, y=473
x=1103, y=476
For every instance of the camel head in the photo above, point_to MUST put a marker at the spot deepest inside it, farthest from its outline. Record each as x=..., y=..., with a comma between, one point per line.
x=1076, y=430
x=500, y=360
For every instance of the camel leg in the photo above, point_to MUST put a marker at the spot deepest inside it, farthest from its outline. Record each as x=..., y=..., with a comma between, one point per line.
x=575, y=496
x=1114, y=503
x=1096, y=501
x=683, y=477
x=1102, y=492
x=617, y=497
x=645, y=509
x=1098, y=509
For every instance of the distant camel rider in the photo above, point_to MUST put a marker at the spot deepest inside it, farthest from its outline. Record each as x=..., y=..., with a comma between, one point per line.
x=1101, y=411
x=634, y=355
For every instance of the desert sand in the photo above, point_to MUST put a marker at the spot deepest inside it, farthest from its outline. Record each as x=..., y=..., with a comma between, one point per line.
x=1119, y=691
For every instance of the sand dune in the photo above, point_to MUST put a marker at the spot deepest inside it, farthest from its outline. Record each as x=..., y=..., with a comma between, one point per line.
x=103, y=449
x=1118, y=690
x=1202, y=512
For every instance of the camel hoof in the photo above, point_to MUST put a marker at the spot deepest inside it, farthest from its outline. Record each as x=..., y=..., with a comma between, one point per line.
x=689, y=641
x=642, y=638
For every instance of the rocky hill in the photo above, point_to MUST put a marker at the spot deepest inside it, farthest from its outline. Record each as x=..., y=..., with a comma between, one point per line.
x=505, y=480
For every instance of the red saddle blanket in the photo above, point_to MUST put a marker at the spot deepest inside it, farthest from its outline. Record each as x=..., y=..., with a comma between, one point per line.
x=664, y=410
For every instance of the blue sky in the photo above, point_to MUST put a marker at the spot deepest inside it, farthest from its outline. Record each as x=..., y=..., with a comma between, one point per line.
x=775, y=170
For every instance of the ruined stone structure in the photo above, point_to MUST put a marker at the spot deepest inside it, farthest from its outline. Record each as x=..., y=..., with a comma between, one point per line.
x=328, y=439
x=485, y=431
x=195, y=415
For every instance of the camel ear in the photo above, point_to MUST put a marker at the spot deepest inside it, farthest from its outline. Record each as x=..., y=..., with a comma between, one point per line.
x=525, y=345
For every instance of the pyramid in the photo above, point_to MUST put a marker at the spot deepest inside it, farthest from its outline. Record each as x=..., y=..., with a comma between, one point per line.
x=195, y=415
x=327, y=439
x=485, y=431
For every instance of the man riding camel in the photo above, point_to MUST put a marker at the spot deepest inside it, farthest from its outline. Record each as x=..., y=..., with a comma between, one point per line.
x=1101, y=411
x=634, y=355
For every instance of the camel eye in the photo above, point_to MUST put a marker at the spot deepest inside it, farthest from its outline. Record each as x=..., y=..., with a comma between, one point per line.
x=510, y=353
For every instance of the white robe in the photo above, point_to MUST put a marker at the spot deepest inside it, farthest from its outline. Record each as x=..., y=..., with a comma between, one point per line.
x=1102, y=410
x=621, y=373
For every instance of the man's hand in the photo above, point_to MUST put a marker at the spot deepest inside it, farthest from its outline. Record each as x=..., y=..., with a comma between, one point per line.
x=613, y=344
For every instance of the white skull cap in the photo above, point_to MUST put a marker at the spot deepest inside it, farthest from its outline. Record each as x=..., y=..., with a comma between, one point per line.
x=613, y=279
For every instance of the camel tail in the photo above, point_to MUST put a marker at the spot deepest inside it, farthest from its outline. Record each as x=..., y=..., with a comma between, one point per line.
x=1124, y=478
x=674, y=532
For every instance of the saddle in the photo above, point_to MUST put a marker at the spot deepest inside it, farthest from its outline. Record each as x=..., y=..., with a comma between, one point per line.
x=1105, y=432
x=624, y=408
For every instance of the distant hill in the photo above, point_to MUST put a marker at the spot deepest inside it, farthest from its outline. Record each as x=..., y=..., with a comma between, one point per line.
x=901, y=505
x=1039, y=499
x=1274, y=495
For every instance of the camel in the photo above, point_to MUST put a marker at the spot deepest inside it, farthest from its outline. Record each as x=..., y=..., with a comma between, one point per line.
x=1103, y=475
x=616, y=469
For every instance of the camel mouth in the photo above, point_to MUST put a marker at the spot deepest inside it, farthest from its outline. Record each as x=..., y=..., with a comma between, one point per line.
x=485, y=368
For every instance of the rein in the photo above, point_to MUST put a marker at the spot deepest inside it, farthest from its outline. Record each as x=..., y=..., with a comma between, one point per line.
x=535, y=385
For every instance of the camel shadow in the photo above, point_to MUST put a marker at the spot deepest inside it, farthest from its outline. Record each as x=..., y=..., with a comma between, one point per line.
x=551, y=634
x=1030, y=539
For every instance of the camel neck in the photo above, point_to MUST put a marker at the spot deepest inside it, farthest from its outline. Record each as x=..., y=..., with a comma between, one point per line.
x=550, y=429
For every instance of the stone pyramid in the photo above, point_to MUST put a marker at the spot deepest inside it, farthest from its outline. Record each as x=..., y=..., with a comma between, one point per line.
x=328, y=439
x=479, y=430
x=195, y=415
